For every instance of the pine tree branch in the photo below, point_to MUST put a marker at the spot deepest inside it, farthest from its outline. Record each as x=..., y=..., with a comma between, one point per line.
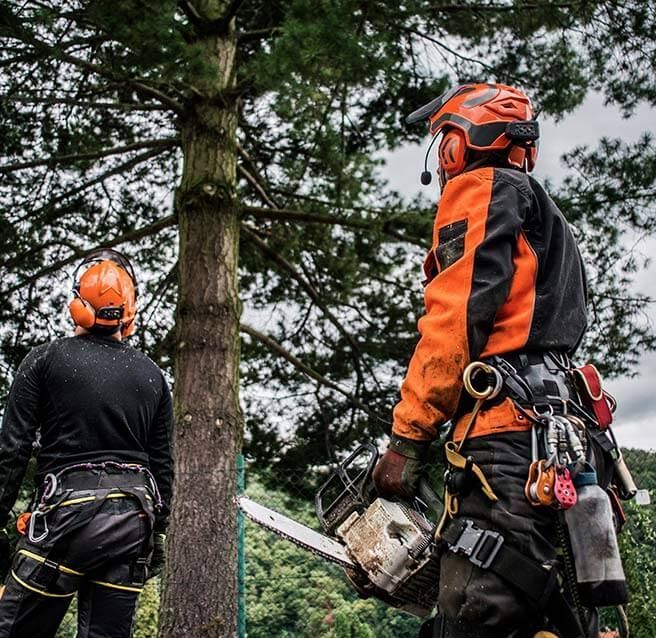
x=13, y=27
x=440, y=44
x=302, y=217
x=256, y=185
x=257, y=34
x=305, y=285
x=157, y=296
x=278, y=349
x=35, y=250
x=120, y=168
x=73, y=157
x=130, y=236
x=54, y=101
x=506, y=7
x=255, y=174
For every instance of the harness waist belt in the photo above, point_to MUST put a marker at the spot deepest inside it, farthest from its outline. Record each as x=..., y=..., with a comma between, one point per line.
x=536, y=379
x=89, y=480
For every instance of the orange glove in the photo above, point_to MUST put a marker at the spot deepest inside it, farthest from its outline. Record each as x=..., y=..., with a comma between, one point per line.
x=400, y=469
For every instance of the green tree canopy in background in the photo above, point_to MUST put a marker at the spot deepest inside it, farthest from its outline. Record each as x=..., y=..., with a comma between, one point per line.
x=129, y=122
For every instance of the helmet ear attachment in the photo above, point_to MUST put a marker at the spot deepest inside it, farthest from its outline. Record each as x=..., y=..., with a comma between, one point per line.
x=82, y=312
x=517, y=157
x=127, y=328
x=452, y=152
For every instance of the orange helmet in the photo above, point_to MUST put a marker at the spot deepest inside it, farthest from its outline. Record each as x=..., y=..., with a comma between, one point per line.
x=478, y=118
x=105, y=295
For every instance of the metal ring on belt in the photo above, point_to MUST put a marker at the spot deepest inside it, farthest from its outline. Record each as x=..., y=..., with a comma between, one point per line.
x=492, y=390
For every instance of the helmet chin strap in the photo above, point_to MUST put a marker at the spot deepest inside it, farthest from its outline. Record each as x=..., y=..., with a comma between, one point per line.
x=442, y=177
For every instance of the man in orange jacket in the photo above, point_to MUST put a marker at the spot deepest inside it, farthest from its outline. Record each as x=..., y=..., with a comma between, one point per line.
x=504, y=279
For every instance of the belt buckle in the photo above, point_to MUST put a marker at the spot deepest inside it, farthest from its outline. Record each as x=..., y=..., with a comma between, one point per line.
x=479, y=545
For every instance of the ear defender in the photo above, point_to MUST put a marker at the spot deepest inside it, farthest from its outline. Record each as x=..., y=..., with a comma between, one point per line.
x=452, y=152
x=82, y=312
x=523, y=157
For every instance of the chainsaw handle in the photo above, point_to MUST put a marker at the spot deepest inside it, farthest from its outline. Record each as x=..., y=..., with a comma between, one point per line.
x=428, y=496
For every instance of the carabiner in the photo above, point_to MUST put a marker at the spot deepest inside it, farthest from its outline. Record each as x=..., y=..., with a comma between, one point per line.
x=30, y=528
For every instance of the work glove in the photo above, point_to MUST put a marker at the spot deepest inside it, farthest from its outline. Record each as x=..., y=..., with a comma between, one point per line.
x=157, y=558
x=400, y=469
x=5, y=554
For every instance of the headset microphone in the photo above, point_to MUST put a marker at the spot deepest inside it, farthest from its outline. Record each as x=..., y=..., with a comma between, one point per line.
x=426, y=177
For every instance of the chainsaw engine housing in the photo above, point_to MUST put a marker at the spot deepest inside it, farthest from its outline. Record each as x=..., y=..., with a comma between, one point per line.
x=393, y=545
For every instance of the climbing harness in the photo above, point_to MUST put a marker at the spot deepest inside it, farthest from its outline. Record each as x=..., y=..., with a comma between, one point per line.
x=37, y=565
x=108, y=479
x=549, y=393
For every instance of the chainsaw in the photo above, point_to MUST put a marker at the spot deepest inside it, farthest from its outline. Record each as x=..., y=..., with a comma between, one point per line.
x=386, y=548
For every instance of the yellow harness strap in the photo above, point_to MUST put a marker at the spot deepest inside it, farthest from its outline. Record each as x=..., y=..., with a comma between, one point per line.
x=452, y=449
x=454, y=458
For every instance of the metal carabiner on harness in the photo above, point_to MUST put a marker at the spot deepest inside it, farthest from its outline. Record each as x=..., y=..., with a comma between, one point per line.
x=32, y=524
x=50, y=484
x=50, y=487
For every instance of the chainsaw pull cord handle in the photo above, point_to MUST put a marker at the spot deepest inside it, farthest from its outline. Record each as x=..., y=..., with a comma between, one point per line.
x=452, y=449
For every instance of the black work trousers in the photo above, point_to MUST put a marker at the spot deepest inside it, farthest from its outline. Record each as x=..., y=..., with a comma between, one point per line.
x=102, y=561
x=476, y=602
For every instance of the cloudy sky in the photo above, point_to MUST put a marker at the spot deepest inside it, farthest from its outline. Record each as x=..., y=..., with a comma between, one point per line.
x=635, y=419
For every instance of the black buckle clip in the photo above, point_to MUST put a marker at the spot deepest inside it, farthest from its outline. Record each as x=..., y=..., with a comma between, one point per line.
x=139, y=571
x=479, y=545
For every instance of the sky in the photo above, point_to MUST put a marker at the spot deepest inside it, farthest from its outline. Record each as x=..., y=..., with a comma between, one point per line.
x=635, y=419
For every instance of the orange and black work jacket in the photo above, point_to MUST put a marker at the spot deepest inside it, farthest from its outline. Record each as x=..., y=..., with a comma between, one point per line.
x=504, y=274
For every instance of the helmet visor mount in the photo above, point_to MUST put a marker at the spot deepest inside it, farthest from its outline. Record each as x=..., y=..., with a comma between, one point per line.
x=426, y=111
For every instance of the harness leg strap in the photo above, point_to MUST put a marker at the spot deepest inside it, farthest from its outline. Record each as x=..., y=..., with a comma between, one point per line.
x=487, y=549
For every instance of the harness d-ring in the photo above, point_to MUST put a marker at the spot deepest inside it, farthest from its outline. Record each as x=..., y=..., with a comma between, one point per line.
x=492, y=389
x=50, y=487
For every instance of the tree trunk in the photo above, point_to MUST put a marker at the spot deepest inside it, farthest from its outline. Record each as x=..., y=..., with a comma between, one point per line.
x=199, y=599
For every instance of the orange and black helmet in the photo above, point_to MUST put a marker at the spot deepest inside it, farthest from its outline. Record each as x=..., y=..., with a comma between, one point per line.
x=105, y=295
x=480, y=118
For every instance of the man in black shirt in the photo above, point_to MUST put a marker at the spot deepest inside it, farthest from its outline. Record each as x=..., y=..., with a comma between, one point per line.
x=98, y=518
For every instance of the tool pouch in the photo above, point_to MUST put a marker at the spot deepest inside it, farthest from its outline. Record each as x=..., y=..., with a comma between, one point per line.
x=589, y=385
x=599, y=573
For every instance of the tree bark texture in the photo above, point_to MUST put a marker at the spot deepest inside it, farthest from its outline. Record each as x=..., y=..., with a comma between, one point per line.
x=199, y=597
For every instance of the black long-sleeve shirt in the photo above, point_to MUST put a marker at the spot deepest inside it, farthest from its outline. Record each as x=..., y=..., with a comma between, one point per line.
x=93, y=399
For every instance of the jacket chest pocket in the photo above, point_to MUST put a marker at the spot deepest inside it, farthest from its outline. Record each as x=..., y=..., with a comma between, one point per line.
x=450, y=247
x=451, y=244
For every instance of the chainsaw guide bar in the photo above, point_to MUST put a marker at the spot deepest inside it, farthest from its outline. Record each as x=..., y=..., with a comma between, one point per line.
x=297, y=533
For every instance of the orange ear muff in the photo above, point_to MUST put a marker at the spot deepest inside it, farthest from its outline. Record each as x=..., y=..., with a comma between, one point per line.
x=82, y=313
x=517, y=156
x=531, y=156
x=127, y=328
x=452, y=151
x=523, y=157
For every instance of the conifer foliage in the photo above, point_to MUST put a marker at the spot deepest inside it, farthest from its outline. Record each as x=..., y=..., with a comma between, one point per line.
x=226, y=141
